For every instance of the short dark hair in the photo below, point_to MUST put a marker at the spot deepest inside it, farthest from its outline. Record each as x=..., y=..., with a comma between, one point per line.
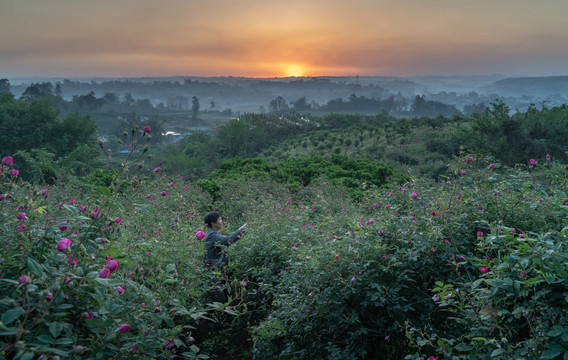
x=211, y=217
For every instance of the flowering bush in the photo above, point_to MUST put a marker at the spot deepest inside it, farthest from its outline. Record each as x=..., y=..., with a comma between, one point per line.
x=78, y=290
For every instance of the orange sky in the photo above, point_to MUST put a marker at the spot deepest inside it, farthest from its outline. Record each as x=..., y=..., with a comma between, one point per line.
x=282, y=38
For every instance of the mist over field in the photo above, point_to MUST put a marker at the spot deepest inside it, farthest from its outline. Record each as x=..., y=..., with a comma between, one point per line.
x=250, y=94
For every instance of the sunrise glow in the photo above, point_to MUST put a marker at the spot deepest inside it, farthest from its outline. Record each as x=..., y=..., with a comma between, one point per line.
x=266, y=39
x=294, y=70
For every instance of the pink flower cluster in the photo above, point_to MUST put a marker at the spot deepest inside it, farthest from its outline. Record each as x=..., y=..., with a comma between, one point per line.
x=111, y=266
x=9, y=161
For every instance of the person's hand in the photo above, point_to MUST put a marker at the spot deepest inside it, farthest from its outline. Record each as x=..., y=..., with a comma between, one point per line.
x=243, y=228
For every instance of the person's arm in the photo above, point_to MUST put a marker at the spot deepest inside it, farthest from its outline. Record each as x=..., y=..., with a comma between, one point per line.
x=219, y=239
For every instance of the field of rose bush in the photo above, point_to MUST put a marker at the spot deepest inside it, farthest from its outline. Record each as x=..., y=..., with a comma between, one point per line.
x=472, y=267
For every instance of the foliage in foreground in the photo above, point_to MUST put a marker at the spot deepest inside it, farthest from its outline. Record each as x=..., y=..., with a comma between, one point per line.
x=472, y=267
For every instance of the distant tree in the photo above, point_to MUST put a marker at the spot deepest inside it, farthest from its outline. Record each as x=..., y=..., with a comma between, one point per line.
x=178, y=102
x=212, y=103
x=4, y=86
x=36, y=91
x=301, y=104
x=469, y=110
x=58, y=90
x=128, y=99
x=89, y=102
x=278, y=105
x=194, y=107
x=144, y=105
x=111, y=98
x=422, y=107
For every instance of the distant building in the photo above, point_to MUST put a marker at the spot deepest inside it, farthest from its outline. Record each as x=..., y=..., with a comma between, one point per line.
x=173, y=137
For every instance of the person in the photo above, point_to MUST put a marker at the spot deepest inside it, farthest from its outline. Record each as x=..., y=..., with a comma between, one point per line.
x=214, y=241
x=214, y=257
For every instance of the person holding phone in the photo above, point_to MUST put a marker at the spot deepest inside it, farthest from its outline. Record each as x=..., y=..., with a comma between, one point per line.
x=214, y=256
x=214, y=241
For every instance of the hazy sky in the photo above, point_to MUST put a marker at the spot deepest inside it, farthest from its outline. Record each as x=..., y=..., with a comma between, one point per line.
x=266, y=38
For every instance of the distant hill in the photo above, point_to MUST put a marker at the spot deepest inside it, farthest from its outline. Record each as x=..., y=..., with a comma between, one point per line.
x=531, y=86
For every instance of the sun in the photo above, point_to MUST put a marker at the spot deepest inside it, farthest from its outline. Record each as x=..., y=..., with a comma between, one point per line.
x=293, y=70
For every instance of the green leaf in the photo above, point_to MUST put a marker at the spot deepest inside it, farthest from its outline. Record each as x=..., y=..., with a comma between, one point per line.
x=71, y=209
x=55, y=329
x=9, y=332
x=58, y=352
x=104, y=190
x=496, y=352
x=463, y=347
x=65, y=341
x=170, y=268
x=34, y=267
x=550, y=354
x=45, y=339
x=26, y=356
x=11, y=315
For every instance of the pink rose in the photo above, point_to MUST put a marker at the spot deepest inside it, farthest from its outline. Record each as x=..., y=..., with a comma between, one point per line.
x=87, y=315
x=120, y=290
x=63, y=245
x=8, y=161
x=414, y=195
x=71, y=261
x=14, y=172
x=532, y=161
x=200, y=235
x=62, y=226
x=124, y=328
x=104, y=273
x=43, y=191
x=483, y=269
x=112, y=265
x=23, y=279
x=146, y=129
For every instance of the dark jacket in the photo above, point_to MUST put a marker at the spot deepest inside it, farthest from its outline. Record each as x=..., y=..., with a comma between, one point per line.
x=214, y=243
